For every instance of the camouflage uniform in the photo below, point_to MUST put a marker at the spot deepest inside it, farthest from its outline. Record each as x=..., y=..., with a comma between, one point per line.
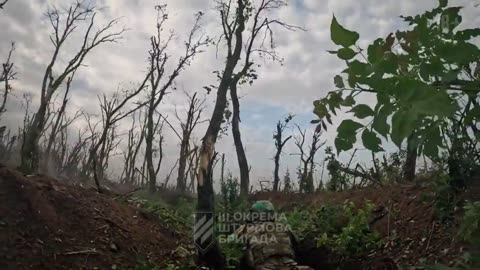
x=268, y=246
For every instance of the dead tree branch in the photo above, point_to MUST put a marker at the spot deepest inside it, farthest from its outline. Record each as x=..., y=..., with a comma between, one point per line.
x=159, y=82
x=6, y=76
x=63, y=24
x=279, y=144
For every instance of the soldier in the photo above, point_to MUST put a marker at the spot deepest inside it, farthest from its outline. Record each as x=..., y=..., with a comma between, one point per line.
x=268, y=243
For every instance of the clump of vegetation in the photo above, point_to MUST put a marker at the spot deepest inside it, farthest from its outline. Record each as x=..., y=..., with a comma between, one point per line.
x=229, y=191
x=178, y=216
x=343, y=229
x=470, y=231
x=233, y=252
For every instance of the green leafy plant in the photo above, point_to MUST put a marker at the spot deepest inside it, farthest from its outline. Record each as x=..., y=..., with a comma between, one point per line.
x=230, y=192
x=144, y=264
x=178, y=217
x=343, y=229
x=338, y=180
x=233, y=252
x=470, y=229
x=421, y=77
x=356, y=237
x=470, y=233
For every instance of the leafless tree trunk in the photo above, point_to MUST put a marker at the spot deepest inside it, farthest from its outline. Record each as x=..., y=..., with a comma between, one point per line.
x=247, y=74
x=279, y=144
x=6, y=76
x=134, y=144
x=234, y=19
x=222, y=172
x=193, y=119
x=59, y=126
x=241, y=156
x=111, y=114
x=307, y=159
x=62, y=30
x=411, y=162
x=169, y=175
x=158, y=59
x=193, y=167
x=76, y=155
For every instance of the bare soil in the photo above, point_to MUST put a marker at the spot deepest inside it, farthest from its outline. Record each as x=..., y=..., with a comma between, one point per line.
x=47, y=224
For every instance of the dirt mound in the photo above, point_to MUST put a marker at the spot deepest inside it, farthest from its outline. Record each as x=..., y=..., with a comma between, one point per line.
x=45, y=224
x=403, y=217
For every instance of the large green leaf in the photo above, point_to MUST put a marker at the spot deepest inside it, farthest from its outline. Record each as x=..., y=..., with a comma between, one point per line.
x=320, y=109
x=433, y=141
x=458, y=53
x=346, y=53
x=348, y=127
x=358, y=68
x=362, y=111
x=403, y=125
x=338, y=80
x=334, y=101
x=346, y=136
x=451, y=18
x=380, y=123
x=438, y=103
x=349, y=101
x=467, y=34
x=409, y=89
x=371, y=141
x=342, y=36
x=344, y=143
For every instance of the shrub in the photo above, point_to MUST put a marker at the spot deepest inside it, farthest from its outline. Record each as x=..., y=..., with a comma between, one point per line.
x=342, y=229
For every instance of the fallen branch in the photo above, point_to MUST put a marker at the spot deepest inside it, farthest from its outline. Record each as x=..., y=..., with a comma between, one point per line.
x=128, y=194
x=83, y=252
x=362, y=175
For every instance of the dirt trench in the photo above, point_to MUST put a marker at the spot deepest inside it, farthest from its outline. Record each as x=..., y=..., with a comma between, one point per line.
x=46, y=224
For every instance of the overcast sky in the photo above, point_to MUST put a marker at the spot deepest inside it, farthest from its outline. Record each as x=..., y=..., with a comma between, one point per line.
x=307, y=73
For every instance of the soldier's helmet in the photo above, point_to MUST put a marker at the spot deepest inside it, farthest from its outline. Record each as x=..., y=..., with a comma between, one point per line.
x=262, y=211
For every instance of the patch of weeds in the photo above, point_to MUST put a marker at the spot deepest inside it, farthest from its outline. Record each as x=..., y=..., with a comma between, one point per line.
x=143, y=264
x=343, y=229
x=233, y=252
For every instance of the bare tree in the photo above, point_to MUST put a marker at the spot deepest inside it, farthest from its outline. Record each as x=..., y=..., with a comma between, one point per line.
x=169, y=175
x=279, y=144
x=134, y=143
x=193, y=162
x=76, y=156
x=7, y=144
x=112, y=112
x=160, y=82
x=6, y=76
x=64, y=23
x=194, y=113
x=261, y=26
x=240, y=44
x=58, y=126
x=307, y=158
x=411, y=160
